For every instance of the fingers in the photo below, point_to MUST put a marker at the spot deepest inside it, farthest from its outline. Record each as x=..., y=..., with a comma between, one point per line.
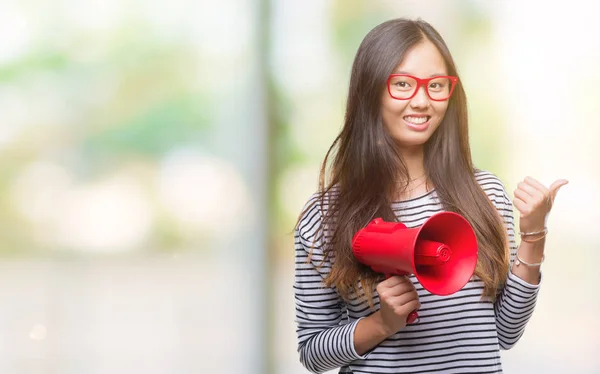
x=531, y=190
x=522, y=195
x=554, y=187
x=402, y=298
x=404, y=304
x=536, y=184
x=397, y=302
x=410, y=306
x=529, y=199
x=534, y=201
x=394, y=286
x=395, y=280
x=520, y=204
x=405, y=298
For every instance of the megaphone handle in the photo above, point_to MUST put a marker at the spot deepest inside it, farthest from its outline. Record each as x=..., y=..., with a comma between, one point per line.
x=412, y=317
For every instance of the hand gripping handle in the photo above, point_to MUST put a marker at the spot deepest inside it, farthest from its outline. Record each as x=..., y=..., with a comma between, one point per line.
x=412, y=316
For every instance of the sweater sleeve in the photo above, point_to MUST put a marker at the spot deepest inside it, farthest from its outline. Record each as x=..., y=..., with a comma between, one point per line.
x=515, y=303
x=325, y=338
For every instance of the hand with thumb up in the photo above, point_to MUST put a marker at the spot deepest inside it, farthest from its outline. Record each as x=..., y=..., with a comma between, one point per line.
x=534, y=202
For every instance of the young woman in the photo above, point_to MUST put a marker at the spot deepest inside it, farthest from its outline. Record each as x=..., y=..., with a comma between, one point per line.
x=403, y=155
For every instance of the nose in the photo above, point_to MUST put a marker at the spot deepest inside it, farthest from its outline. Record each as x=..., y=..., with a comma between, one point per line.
x=420, y=100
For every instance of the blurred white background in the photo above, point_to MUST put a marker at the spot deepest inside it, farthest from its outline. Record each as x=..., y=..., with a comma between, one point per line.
x=155, y=155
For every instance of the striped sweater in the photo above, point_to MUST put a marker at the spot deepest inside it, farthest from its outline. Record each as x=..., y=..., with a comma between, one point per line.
x=459, y=333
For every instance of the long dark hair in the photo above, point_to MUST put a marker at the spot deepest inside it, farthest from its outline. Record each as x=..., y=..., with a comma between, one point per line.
x=366, y=168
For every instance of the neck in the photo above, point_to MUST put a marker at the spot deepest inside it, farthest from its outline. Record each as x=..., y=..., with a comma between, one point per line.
x=414, y=160
x=416, y=184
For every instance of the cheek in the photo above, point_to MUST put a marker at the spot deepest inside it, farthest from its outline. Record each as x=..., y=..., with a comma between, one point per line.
x=392, y=109
x=440, y=110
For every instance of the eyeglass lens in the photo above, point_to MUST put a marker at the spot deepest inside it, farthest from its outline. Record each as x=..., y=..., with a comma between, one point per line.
x=403, y=87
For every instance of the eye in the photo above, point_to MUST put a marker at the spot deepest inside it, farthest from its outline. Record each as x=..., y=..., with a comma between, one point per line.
x=437, y=85
x=402, y=83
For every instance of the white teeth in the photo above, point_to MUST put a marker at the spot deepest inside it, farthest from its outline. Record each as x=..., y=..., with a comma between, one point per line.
x=416, y=120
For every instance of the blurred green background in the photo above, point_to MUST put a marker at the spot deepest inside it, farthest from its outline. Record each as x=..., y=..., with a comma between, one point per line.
x=155, y=155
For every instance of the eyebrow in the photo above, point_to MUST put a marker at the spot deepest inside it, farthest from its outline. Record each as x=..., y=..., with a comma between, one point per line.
x=431, y=76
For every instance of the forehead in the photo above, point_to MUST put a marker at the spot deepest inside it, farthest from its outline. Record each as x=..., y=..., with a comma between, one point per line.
x=423, y=60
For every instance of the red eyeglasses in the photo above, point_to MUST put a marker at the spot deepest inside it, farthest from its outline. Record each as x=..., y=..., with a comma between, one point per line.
x=405, y=87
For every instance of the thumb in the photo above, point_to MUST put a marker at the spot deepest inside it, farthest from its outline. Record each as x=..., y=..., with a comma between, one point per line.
x=554, y=187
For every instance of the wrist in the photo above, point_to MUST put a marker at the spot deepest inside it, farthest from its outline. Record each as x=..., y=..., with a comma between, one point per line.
x=380, y=326
x=533, y=254
x=526, y=225
x=533, y=236
x=369, y=332
x=528, y=261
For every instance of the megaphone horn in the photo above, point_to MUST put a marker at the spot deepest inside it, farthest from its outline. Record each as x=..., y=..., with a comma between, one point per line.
x=442, y=253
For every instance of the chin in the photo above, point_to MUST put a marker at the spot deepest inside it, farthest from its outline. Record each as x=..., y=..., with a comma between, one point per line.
x=411, y=141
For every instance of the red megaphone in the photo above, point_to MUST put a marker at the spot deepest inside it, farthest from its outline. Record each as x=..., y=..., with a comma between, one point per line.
x=442, y=253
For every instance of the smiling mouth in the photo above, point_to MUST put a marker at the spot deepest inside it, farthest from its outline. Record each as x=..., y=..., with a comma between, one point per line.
x=416, y=120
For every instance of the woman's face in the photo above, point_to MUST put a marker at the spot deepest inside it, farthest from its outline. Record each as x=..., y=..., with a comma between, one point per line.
x=412, y=122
